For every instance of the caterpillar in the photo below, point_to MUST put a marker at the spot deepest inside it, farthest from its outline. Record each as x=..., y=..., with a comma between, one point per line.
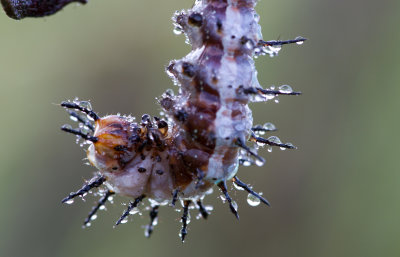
x=201, y=138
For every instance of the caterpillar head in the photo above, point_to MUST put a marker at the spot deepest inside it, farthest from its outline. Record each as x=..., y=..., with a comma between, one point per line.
x=114, y=136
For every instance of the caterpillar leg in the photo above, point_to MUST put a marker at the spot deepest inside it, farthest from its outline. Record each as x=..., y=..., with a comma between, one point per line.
x=249, y=190
x=184, y=218
x=130, y=208
x=153, y=221
x=93, y=183
x=100, y=203
x=222, y=186
x=202, y=210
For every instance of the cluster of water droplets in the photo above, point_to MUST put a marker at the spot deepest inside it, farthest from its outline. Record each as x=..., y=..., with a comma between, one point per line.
x=178, y=30
x=272, y=95
x=85, y=121
x=251, y=199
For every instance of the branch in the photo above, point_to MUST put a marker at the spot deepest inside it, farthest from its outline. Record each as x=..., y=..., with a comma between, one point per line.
x=19, y=9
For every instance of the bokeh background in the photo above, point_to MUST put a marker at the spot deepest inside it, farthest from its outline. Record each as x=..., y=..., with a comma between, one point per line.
x=337, y=195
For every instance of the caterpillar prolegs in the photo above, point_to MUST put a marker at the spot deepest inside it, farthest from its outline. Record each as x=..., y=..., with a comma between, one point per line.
x=201, y=139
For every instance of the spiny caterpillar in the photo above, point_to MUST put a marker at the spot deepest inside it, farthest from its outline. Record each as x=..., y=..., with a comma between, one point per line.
x=200, y=140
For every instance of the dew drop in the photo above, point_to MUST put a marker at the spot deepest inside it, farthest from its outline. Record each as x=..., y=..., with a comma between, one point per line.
x=269, y=149
x=274, y=139
x=70, y=201
x=146, y=231
x=133, y=211
x=259, y=163
x=209, y=191
x=270, y=96
x=85, y=104
x=289, y=144
x=252, y=200
x=223, y=198
x=260, y=144
x=170, y=92
x=209, y=208
x=85, y=130
x=67, y=126
x=102, y=207
x=93, y=217
x=177, y=30
x=286, y=89
x=73, y=118
x=249, y=45
x=124, y=221
x=246, y=163
x=269, y=126
x=234, y=205
x=299, y=42
x=238, y=187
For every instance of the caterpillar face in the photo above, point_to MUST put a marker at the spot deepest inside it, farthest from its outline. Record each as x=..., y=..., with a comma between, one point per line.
x=200, y=141
x=111, y=150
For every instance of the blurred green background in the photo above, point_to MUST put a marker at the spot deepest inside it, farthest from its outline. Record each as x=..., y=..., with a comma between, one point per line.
x=337, y=195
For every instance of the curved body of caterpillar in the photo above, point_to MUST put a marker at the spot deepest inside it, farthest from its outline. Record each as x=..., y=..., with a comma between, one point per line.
x=201, y=140
x=19, y=9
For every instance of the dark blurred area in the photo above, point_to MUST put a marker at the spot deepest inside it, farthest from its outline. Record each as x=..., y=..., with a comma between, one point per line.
x=336, y=195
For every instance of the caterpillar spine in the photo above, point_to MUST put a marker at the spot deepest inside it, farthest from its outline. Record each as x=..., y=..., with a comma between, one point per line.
x=201, y=140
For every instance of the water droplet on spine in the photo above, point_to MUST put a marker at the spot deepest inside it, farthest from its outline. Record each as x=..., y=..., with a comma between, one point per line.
x=235, y=205
x=238, y=187
x=223, y=198
x=86, y=104
x=177, y=30
x=274, y=139
x=246, y=163
x=259, y=163
x=133, y=211
x=269, y=126
x=286, y=89
x=70, y=201
x=67, y=126
x=299, y=42
x=252, y=200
